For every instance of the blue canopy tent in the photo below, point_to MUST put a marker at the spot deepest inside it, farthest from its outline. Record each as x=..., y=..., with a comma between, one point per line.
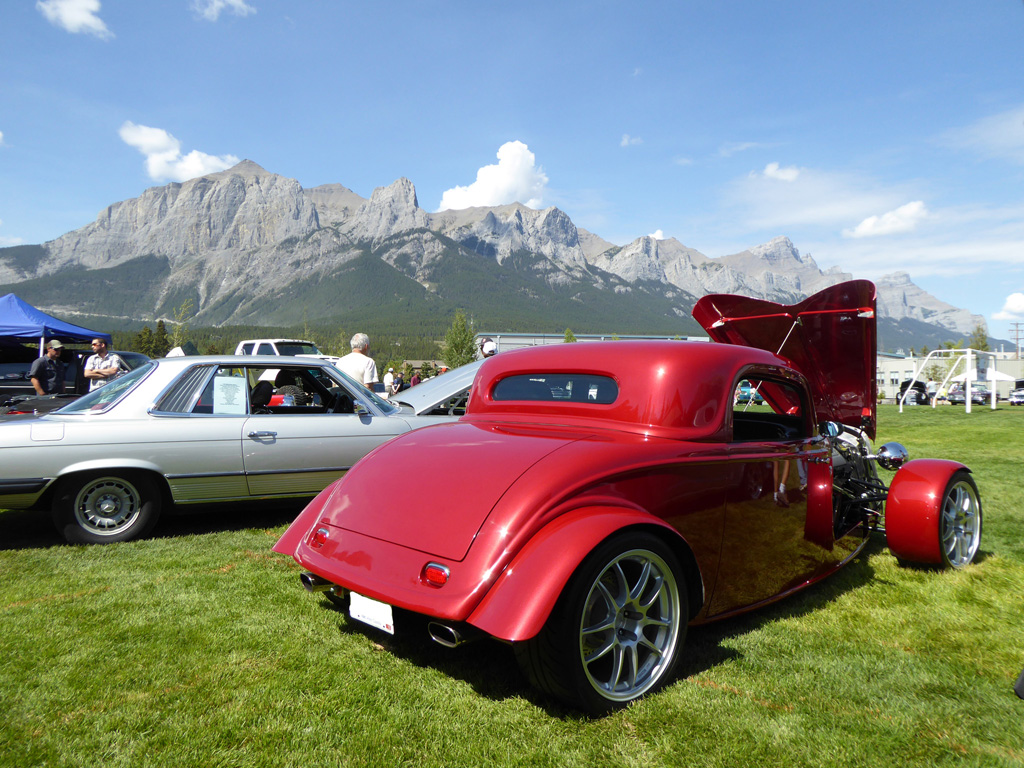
x=20, y=321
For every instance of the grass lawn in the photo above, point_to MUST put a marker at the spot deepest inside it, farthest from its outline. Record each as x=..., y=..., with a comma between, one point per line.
x=199, y=648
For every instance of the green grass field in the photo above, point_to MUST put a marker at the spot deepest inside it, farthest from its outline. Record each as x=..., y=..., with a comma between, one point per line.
x=199, y=648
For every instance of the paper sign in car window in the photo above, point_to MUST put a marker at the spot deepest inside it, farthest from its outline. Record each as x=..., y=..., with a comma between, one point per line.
x=229, y=394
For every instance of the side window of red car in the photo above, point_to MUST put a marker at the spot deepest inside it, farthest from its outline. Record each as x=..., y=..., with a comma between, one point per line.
x=768, y=410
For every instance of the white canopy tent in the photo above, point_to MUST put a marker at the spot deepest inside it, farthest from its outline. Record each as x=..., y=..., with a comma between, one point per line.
x=993, y=375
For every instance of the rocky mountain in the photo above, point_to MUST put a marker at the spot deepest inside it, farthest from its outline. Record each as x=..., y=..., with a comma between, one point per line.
x=249, y=246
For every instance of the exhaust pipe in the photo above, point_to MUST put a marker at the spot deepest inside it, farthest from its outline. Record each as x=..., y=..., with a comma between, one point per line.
x=450, y=636
x=314, y=583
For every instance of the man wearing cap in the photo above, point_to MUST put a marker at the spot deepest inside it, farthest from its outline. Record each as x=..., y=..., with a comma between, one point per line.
x=389, y=379
x=47, y=372
x=488, y=348
x=102, y=366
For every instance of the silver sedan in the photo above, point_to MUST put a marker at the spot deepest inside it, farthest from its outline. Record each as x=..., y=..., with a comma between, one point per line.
x=192, y=430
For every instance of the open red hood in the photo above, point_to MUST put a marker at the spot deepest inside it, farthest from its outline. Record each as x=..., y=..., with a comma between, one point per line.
x=830, y=337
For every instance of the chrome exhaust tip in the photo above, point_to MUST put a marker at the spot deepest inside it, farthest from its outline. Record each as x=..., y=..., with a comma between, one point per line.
x=450, y=636
x=314, y=583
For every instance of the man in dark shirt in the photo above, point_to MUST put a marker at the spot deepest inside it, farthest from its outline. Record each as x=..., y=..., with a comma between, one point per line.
x=47, y=372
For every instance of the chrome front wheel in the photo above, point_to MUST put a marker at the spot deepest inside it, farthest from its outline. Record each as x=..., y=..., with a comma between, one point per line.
x=101, y=508
x=960, y=522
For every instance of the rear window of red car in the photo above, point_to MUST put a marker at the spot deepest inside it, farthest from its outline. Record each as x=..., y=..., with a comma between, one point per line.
x=558, y=388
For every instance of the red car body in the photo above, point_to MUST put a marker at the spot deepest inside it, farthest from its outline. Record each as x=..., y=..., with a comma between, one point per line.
x=636, y=461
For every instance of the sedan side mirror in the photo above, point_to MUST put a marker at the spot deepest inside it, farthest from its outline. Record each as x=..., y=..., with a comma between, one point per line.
x=360, y=410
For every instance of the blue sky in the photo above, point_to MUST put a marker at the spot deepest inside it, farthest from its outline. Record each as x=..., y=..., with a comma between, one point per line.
x=877, y=136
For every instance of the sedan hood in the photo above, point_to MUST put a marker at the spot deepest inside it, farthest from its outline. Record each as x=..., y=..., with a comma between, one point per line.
x=829, y=337
x=413, y=491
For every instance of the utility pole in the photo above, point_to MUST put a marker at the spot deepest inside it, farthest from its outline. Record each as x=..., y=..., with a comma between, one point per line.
x=1017, y=333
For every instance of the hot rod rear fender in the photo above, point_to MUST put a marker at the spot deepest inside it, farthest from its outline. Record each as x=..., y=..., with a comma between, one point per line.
x=914, y=506
x=522, y=597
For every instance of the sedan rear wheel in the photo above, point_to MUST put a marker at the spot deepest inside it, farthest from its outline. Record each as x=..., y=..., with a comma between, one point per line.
x=105, y=508
x=615, y=633
x=960, y=523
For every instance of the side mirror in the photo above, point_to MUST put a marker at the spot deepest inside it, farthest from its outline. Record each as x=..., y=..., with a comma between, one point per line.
x=360, y=410
x=830, y=429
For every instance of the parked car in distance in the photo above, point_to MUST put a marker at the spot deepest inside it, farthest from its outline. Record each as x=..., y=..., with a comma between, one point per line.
x=747, y=394
x=444, y=395
x=980, y=395
x=17, y=395
x=188, y=431
x=918, y=394
x=1016, y=397
x=286, y=347
x=599, y=498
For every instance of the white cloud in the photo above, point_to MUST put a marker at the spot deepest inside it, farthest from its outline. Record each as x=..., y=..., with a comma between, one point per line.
x=1013, y=308
x=164, y=161
x=657, y=234
x=811, y=198
x=903, y=219
x=1, y=138
x=630, y=141
x=773, y=171
x=728, y=150
x=997, y=136
x=211, y=9
x=8, y=241
x=76, y=16
x=515, y=178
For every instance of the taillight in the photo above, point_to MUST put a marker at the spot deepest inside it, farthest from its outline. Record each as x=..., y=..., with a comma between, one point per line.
x=435, y=574
x=319, y=538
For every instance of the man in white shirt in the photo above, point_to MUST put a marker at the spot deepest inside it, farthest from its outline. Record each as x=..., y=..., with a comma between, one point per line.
x=103, y=366
x=357, y=363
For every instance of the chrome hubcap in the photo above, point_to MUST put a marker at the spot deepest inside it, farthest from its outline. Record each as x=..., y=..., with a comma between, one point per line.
x=107, y=506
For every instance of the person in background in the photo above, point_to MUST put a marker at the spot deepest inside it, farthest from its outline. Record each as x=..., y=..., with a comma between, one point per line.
x=358, y=364
x=47, y=372
x=415, y=379
x=389, y=379
x=488, y=348
x=103, y=366
x=397, y=384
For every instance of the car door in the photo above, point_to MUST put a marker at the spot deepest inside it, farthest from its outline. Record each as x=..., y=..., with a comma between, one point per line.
x=778, y=522
x=291, y=450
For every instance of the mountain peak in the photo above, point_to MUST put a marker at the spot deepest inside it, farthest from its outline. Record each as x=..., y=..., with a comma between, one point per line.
x=246, y=168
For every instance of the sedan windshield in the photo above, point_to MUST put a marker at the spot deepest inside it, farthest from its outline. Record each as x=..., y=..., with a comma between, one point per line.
x=104, y=397
x=296, y=348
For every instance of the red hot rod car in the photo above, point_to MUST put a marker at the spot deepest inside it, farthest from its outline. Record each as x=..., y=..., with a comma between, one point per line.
x=601, y=497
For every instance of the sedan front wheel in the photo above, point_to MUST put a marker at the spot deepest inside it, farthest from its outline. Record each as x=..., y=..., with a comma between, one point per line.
x=105, y=508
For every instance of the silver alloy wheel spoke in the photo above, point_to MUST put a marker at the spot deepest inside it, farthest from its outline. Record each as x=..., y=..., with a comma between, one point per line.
x=961, y=523
x=629, y=625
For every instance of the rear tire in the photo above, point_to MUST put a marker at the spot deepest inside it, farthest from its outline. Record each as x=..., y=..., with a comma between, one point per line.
x=104, y=507
x=615, y=632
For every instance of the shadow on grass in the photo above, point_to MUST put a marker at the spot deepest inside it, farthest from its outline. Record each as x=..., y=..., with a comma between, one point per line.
x=25, y=529
x=490, y=667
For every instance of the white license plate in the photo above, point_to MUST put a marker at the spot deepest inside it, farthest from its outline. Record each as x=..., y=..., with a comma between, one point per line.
x=372, y=612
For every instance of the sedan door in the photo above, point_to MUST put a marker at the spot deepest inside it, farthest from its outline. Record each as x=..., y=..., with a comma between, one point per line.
x=298, y=444
x=300, y=454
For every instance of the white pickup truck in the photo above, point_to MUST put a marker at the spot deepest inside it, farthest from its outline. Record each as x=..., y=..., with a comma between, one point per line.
x=290, y=347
